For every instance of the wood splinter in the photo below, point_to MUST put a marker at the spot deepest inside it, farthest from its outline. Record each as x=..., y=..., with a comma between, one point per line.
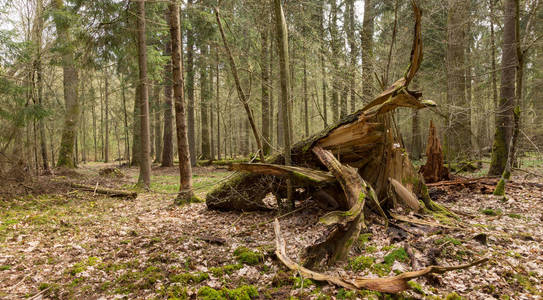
x=394, y=284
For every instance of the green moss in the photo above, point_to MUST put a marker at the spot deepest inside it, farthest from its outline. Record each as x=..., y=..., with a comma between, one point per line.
x=381, y=269
x=5, y=268
x=453, y=296
x=417, y=288
x=345, y=294
x=189, y=277
x=491, y=212
x=500, y=188
x=248, y=257
x=244, y=292
x=132, y=281
x=227, y=269
x=298, y=282
x=525, y=283
x=514, y=216
x=371, y=249
x=398, y=254
x=447, y=239
x=361, y=263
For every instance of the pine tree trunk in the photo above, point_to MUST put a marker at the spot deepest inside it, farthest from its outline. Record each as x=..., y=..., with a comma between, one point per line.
x=167, y=150
x=145, y=159
x=204, y=101
x=39, y=83
x=190, y=91
x=458, y=133
x=323, y=54
x=158, y=127
x=125, y=119
x=185, y=172
x=354, y=51
x=367, y=51
x=265, y=101
x=106, y=97
x=335, y=46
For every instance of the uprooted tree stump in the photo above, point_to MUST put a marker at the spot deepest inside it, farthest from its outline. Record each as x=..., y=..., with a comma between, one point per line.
x=359, y=160
x=434, y=170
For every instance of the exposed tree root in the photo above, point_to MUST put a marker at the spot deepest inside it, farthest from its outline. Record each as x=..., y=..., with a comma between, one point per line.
x=394, y=284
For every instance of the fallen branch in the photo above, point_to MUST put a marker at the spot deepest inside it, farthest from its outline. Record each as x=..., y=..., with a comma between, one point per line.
x=394, y=284
x=105, y=191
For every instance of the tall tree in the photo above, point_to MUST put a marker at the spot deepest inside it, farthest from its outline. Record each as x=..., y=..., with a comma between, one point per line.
x=39, y=84
x=167, y=149
x=70, y=81
x=145, y=157
x=366, y=35
x=351, y=28
x=264, y=78
x=459, y=115
x=335, y=46
x=204, y=100
x=185, y=171
x=282, y=46
x=106, y=116
x=504, y=111
x=190, y=88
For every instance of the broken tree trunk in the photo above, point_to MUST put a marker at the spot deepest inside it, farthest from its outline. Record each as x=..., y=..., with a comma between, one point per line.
x=367, y=140
x=434, y=170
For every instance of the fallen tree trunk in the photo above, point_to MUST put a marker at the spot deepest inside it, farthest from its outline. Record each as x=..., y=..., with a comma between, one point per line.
x=105, y=191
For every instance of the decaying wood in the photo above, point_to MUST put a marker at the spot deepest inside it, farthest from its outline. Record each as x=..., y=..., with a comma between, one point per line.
x=303, y=175
x=365, y=140
x=348, y=223
x=434, y=170
x=394, y=284
x=105, y=191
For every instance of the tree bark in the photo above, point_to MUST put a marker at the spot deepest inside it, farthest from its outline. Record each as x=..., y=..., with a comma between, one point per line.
x=145, y=159
x=367, y=51
x=264, y=78
x=335, y=47
x=459, y=131
x=70, y=82
x=158, y=127
x=190, y=91
x=204, y=102
x=185, y=171
x=167, y=149
x=504, y=112
x=39, y=83
x=106, y=116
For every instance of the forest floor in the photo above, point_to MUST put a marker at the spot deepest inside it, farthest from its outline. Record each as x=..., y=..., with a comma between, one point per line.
x=59, y=242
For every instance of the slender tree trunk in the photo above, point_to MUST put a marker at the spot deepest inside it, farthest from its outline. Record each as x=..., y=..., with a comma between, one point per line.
x=367, y=51
x=210, y=110
x=504, y=112
x=125, y=119
x=306, y=96
x=335, y=46
x=323, y=54
x=39, y=83
x=271, y=99
x=106, y=97
x=493, y=54
x=265, y=101
x=101, y=121
x=190, y=91
x=217, y=99
x=136, y=128
x=158, y=127
x=167, y=150
x=282, y=44
x=70, y=82
x=204, y=102
x=185, y=172
x=94, y=125
x=354, y=52
x=459, y=136
x=241, y=94
x=145, y=162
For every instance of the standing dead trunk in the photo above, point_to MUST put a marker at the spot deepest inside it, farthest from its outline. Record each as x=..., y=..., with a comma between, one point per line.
x=282, y=46
x=265, y=101
x=241, y=93
x=185, y=172
x=434, y=170
x=145, y=159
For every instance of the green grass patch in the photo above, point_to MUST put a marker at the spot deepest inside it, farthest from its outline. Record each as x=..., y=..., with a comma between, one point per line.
x=514, y=216
x=5, y=267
